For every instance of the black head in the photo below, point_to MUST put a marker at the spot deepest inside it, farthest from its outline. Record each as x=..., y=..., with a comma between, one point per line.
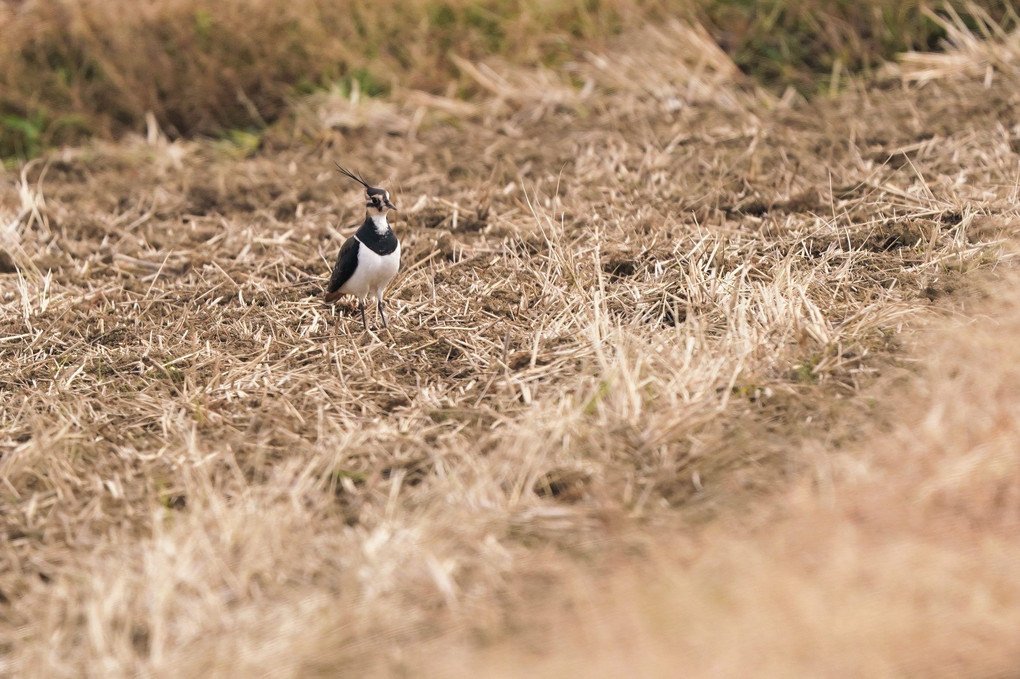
x=377, y=199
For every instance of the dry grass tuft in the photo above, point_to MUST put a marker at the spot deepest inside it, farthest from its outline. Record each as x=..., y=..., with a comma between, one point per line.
x=980, y=52
x=893, y=556
x=622, y=306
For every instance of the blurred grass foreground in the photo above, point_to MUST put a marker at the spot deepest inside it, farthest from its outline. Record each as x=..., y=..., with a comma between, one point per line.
x=72, y=70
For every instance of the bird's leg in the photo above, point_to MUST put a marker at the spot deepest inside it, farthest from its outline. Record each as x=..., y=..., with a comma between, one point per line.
x=361, y=305
x=381, y=313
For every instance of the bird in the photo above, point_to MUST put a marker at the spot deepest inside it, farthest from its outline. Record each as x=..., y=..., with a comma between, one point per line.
x=370, y=258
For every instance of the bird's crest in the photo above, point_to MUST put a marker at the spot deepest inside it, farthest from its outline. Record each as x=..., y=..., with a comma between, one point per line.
x=356, y=177
x=377, y=198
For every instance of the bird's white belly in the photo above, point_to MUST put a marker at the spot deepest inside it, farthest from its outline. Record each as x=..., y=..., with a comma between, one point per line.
x=372, y=274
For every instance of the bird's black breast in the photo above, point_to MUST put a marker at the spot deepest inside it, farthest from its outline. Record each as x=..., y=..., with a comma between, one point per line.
x=346, y=263
x=380, y=243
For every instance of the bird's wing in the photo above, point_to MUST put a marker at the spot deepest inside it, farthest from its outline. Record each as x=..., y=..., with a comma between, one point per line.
x=346, y=262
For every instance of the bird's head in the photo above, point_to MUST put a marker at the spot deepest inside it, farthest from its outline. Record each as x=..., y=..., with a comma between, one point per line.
x=377, y=201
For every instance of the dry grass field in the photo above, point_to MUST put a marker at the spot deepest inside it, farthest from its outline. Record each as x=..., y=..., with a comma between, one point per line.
x=681, y=375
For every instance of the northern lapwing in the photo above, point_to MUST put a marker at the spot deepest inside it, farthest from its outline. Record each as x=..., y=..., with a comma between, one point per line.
x=369, y=259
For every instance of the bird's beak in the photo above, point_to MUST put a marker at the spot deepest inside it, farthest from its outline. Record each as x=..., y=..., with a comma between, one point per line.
x=390, y=205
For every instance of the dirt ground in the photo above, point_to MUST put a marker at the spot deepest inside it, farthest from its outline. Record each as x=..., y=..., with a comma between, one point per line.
x=679, y=372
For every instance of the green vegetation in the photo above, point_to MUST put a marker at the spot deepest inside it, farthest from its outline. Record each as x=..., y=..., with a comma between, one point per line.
x=801, y=43
x=99, y=66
